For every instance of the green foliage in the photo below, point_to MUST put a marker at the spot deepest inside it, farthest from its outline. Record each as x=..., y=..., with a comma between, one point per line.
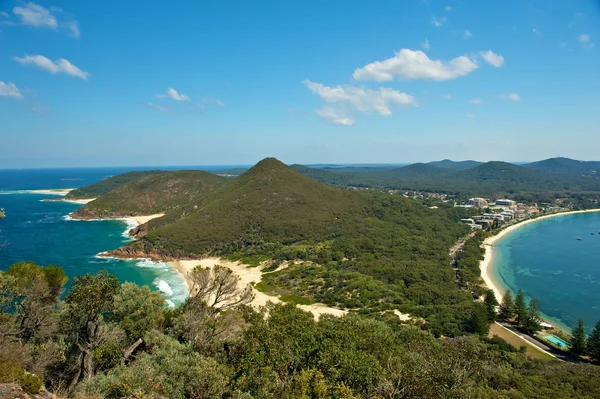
x=137, y=310
x=167, y=192
x=104, y=186
x=578, y=341
x=507, y=307
x=520, y=307
x=491, y=302
x=478, y=322
x=531, y=322
x=2, y=213
x=593, y=344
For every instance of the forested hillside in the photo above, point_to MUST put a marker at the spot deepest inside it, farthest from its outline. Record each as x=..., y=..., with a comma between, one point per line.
x=104, y=186
x=153, y=193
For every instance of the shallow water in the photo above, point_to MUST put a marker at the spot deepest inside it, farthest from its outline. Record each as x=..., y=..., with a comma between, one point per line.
x=547, y=262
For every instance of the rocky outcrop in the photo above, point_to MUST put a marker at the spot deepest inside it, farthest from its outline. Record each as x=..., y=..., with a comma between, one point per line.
x=14, y=391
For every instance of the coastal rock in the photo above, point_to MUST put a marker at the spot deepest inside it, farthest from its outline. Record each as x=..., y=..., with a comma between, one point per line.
x=139, y=231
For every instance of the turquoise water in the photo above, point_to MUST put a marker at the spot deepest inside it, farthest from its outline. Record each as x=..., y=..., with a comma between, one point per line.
x=41, y=231
x=556, y=341
x=547, y=262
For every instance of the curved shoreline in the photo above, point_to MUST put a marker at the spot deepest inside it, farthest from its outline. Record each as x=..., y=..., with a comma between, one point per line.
x=486, y=264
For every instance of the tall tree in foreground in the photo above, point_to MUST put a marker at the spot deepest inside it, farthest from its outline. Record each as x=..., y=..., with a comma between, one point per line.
x=478, y=322
x=520, y=307
x=578, y=341
x=593, y=344
x=490, y=305
x=507, y=307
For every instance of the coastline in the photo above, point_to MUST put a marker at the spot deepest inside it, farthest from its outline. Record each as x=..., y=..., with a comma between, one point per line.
x=486, y=264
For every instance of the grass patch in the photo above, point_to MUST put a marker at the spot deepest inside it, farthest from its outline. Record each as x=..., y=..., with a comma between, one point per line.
x=266, y=288
x=517, y=342
x=296, y=299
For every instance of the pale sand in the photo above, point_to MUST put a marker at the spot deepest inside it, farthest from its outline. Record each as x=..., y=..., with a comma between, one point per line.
x=61, y=191
x=81, y=201
x=145, y=219
x=247, y=276
x=486, y=272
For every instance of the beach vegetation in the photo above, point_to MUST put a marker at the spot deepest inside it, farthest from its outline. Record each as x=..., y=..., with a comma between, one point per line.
x=491, y=303
x=520, y=308
x=531, y=322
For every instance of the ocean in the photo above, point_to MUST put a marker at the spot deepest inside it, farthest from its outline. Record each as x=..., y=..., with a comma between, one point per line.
x=41, y=231
x=547, y=261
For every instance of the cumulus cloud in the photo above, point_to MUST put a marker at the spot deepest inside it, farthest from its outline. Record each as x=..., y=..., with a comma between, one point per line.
x=334, y=117
x=33, y=14
x=476, y=101
x=10, y=90
x=59, y=66
x=437, y=22
x=173, y=95
x=411, y=64
x=361, y=99
x=492, y=58
x=511, y=96
x=586, y=40
x=159, y=108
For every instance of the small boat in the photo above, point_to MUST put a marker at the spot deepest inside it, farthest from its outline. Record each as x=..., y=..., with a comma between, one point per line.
x=593, y=234
x=579, y=238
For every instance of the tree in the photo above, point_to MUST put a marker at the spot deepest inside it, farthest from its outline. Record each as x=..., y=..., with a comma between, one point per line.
x=89, y=300
x=138, y=310
x=2, y=214
x=593, y=344
x=531, y=322
x=507, y=307
x=491, y=302
x=478, y=322
x=578, y=339
x=218, y=288
x=520, y=307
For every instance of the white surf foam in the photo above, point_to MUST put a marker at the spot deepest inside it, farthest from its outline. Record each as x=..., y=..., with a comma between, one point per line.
x=163, y=287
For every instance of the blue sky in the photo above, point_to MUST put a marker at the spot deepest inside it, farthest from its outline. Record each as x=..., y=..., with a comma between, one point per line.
x=231, y=82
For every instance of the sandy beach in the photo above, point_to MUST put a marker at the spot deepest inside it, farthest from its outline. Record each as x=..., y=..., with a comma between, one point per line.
x=247, y=276
x=485, y=265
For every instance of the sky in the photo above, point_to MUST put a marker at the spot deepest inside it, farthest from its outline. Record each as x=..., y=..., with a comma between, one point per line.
x=126, y=83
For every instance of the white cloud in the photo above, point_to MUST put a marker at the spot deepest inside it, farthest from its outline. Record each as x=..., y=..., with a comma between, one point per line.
x=411, y=64
x=586, y=40
x=36, y=15
x=59, y=66
x=476, y=101
x=173, y=95
x=211, y=100
x=425, y=44
x=448, y=8
x=470, y=116
x=537, y=32
x=511, y=96
x=4, y=14
x=362, y=99
x=492, y=58
x=335, y=117
x=468, y=34
x=437, y=22
x=448, y=97
x=159, y=108
x=33, y=14
x=10, y=90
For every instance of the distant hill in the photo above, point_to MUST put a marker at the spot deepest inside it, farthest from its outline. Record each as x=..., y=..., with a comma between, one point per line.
x=102, y=187
x=153, y=193
x=567, y=166
x=461, y=165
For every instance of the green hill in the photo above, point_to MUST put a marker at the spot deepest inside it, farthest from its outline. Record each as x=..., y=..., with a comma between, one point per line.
x=104, y=186
x=567, y=166
x=153, y=193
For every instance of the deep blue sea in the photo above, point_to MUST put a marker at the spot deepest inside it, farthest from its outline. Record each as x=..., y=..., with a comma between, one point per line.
x=547, y=261
x=41, y=231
